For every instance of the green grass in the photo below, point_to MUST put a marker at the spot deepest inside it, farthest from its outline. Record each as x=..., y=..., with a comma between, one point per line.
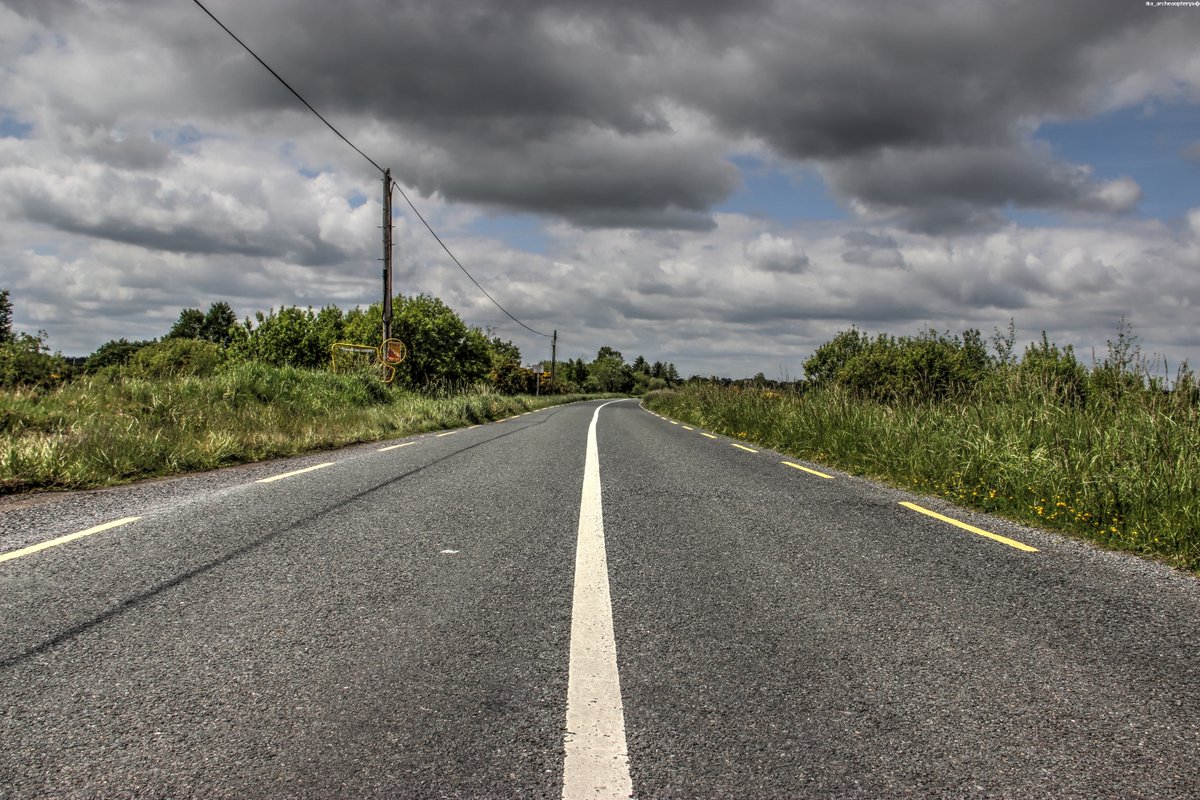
x=103, y=431
x=1124, y=473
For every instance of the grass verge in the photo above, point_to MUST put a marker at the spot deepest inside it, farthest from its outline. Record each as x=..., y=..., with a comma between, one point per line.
x=1122, y=474
x=103, y=431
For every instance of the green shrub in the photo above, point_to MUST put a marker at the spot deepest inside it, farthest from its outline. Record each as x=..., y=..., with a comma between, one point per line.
x=25, y=360
x=176, y=358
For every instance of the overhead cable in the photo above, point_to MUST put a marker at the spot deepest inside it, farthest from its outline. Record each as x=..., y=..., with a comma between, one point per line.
x=373, y=163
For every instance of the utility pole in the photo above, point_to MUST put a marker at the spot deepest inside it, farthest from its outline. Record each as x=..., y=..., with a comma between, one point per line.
x=554, y=357
x=387, y=254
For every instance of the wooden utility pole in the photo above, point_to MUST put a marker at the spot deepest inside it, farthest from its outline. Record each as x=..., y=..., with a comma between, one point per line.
x=554, y=357
x=387, y=254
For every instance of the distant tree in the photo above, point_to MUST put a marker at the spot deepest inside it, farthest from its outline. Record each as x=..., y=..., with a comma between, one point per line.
x=188, y=326
x=217, y=323
x=6, y=331
x=113, y=353
x=504, y=352
x=575, y=371
x=442, y=350
x=640, y=365
x=506, y=374
x=657, y=370
x=25, y=360
x=823, y=365
x=329, y=327
x=364, y=326
x=282, y=338
x=607, y=352
x=609, y=373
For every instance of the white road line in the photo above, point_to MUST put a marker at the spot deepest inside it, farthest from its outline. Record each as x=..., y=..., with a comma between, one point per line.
x=597, y=761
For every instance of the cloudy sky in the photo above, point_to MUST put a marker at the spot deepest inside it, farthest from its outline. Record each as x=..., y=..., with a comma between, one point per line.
x=720, y=184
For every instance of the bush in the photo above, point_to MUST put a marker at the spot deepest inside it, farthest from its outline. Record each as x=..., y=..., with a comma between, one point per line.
x=176, y=358
x=114, y=353
x=925, y=368
x=1052, y=373
x=26, y=361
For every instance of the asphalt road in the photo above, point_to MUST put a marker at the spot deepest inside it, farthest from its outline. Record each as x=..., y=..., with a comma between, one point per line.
x=398, y=623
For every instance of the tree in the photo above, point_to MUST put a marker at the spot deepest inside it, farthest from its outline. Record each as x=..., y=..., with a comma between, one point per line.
x=607, y=352
x=217, y=323
x=188, y=326
x=823, y=365
x=113, y=353
x=442, y=350
x=25, y=360
x=6, y=331
x=328, y=327
x=609, y=373
x=640, y=365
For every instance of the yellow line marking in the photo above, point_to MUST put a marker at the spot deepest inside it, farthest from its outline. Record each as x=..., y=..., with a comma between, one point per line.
x=447, y=433
x=742, y=447
x=393, y=447
x=296, y=472
x=673, y=422
x=686, y=428
x=70, y=537
x=806, y=469
x=972, y=528
x=709, y=435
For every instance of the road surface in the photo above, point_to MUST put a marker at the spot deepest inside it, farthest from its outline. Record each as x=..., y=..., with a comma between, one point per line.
x=502, y=612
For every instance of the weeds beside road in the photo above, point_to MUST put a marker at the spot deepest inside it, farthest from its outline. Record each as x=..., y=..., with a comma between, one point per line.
x=1123, y=471
x=106, y=430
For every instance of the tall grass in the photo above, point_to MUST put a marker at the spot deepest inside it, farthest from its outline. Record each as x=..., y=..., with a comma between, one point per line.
x=107, y=430
x=1124, y=473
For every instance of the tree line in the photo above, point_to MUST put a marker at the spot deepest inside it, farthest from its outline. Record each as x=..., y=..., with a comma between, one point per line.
x=443, y=352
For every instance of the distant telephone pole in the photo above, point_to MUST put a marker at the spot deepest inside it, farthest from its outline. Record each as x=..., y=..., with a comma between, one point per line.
x=387, y=254
x=554, y=357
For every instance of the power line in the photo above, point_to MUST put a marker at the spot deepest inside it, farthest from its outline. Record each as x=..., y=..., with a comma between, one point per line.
x=288, y=86
x=460, y=266
x=373, y=163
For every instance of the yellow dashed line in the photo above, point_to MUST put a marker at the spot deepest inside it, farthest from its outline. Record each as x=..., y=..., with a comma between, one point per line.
x=709, y=435
x=447, y=433
x=70, y=537
x=686, y=428
x=806, y=469
x=296, y=472
x=743, y=447
x=979, y=531
x=393, y=447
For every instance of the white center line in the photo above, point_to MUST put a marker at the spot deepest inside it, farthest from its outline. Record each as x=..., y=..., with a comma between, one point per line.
x=597, y=761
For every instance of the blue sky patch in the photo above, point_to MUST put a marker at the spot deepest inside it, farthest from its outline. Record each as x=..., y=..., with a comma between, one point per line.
x=522, y=231
x=1146, y=143
x=13, y=128
x=798, y=194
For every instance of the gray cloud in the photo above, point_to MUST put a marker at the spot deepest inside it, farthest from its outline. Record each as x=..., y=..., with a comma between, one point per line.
x=158, y=166
x=618, y=114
